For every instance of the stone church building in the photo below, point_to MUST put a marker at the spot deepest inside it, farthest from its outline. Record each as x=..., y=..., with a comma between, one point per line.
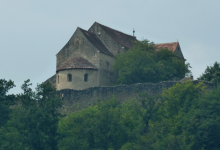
x=86, y=59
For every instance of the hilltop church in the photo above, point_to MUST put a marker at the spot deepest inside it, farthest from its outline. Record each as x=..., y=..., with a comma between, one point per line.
x=86, y=59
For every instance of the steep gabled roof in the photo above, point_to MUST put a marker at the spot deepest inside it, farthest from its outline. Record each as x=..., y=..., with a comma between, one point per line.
x=121, y=38
x=170, y=46
x=96, y=42
x=76, y=63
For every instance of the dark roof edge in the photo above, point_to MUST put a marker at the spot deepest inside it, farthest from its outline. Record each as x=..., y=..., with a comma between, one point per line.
x=114, y=29
x=166, y=43
x=76, y=68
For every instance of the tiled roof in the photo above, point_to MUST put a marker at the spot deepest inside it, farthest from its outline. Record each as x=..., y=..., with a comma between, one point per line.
x=96, y=42
x=77, y=62
x=121, y=38
x=170, y=46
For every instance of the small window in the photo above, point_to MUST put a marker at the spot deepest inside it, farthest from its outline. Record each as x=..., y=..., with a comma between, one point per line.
x=69, y=78
x=85, y=77
x=58, y=79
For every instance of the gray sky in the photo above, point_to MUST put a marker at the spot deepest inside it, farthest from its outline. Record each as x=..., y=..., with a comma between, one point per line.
x=32, y=32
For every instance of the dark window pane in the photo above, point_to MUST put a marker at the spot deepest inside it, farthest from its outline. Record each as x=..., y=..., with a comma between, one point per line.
x=85, y=77
x=69, y=78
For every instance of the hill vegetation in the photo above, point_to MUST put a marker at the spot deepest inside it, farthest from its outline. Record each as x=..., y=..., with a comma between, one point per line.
x=185, y=116
x=212, y=73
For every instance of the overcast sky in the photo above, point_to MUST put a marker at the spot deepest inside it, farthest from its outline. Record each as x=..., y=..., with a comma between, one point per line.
x=33, y=31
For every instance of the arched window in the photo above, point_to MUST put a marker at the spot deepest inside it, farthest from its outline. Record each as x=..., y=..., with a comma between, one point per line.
x=58, y=79
x=85, y=77
x=69, y=78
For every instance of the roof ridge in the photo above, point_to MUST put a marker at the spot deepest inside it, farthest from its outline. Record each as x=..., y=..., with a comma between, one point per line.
x=114, y=29
x=166, y=43
x=86, y=31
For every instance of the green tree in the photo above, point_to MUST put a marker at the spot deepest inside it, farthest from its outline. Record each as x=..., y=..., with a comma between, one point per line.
x=149, y=106
x=37, y=116
x=212, y=73
x=143, y=63
x=201, y=125
x=105, y=126
x=5, y=99
x=188, y=119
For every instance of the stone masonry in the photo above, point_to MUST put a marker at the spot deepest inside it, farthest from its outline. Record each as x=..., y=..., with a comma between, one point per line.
x=79, y=99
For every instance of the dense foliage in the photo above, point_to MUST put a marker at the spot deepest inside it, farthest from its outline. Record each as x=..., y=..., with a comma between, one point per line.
x=33, y=121
x=212, y=73
x=104, y=126
x=184, y=117
x=144, y=63
x=5, y=100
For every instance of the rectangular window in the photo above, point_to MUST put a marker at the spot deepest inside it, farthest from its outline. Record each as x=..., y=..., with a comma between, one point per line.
x=85, y=77
x=69, y=78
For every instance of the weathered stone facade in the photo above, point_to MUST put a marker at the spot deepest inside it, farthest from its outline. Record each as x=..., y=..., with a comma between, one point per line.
x=79, y=99
x=77, y=82
x=78, y=46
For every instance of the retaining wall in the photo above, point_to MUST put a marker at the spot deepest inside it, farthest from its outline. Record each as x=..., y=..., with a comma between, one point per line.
x=79, y=99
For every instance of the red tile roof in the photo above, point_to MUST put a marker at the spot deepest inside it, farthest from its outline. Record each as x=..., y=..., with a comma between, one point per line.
x=76, y=62
x=121, y=38
x=96, y=42
x=170, y=46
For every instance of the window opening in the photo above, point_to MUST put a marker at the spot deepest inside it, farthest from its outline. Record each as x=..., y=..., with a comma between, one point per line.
x=69, y=77
x=85, y=77
x=58, y=79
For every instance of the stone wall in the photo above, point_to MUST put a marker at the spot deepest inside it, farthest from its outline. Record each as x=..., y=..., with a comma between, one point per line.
x=79, y=99
x=107, y=76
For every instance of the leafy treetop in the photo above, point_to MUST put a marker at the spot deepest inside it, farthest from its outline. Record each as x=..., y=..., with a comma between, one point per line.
x=212, y=73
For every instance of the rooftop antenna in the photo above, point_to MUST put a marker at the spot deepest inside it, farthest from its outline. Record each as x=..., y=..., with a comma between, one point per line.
x=133, y=32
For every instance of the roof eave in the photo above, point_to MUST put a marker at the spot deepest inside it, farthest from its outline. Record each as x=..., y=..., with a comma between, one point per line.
x=76, y=68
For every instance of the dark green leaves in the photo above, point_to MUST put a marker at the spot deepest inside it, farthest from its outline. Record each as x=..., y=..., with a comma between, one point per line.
x=5, y=100
x=36, y=117
x=212, y=73
x=105, y=126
